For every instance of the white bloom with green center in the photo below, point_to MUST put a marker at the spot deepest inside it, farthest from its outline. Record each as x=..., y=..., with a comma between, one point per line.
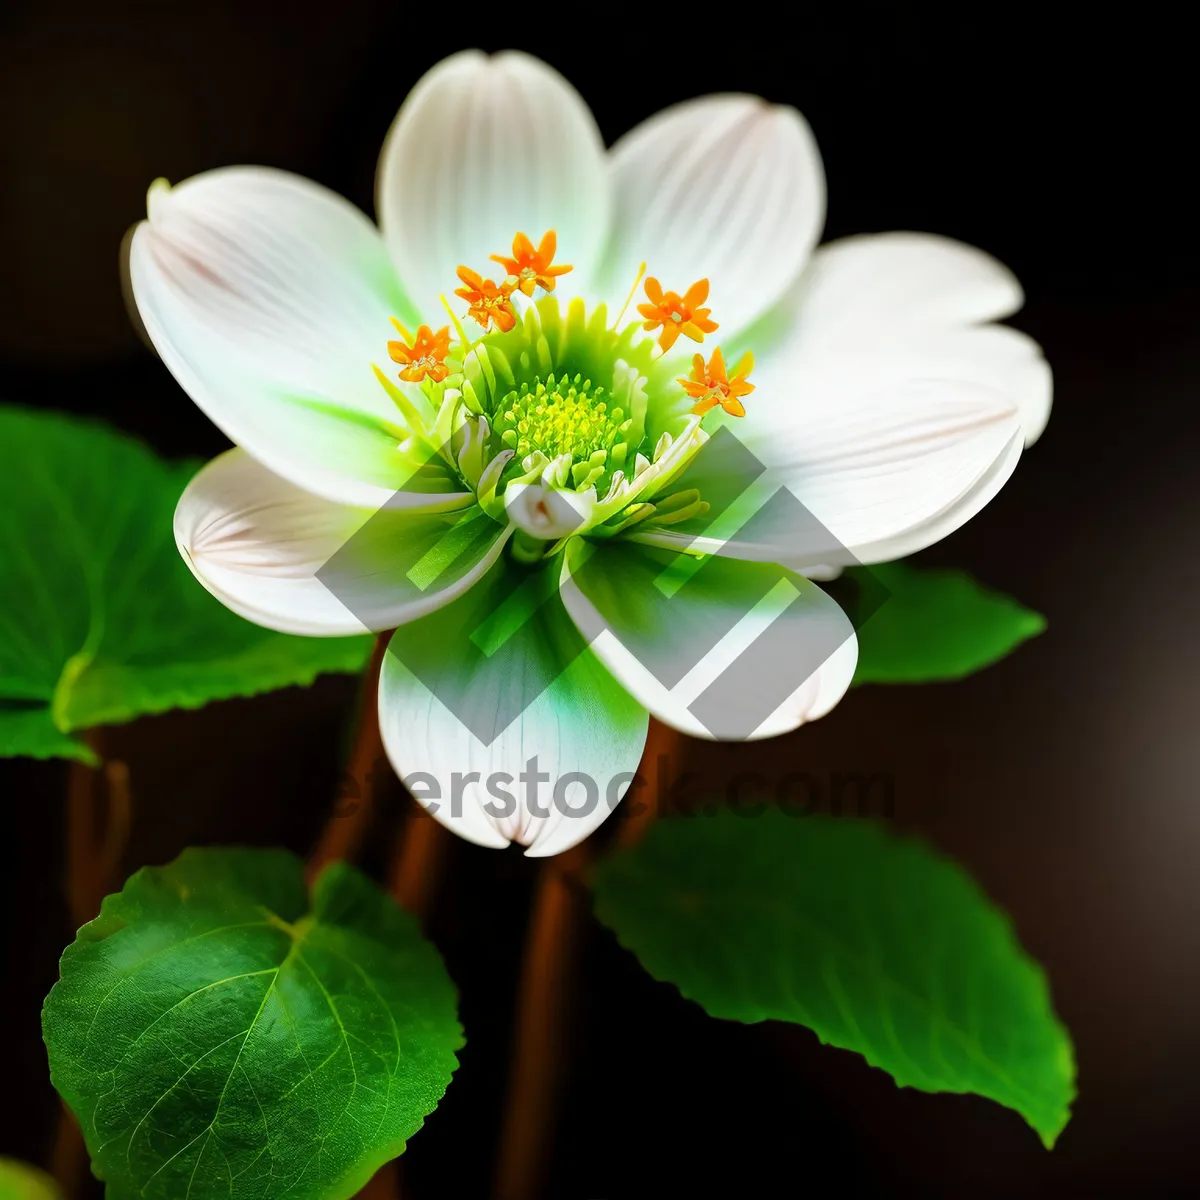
x=518, y=517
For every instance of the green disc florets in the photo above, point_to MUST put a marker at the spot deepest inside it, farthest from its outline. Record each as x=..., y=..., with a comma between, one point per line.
x=564, y=388
x=564, y=416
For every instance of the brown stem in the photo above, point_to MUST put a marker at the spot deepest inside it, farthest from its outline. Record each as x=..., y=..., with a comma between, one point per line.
x=347, y=828
x=662, y=747
x=416, y=863
x=545, y=993
x=118, y=821
x=543, y=1001
x=99, y=815
x=83, y=839
x=69, y=1157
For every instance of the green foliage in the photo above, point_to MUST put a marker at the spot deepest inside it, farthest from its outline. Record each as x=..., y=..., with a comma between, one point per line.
x=29, y=729
x=935, y=624
x=102, y=620
x=873, y=942
x=217, y=1037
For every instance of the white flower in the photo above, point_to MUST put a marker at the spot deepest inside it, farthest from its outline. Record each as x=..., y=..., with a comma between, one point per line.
x=493, y=521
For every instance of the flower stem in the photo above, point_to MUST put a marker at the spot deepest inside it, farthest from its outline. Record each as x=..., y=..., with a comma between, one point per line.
x=346, y=829
x=99, y=813
x=545, y=993
x=658, y=764
x=416, y=864
x=69, y=1157
x=544, y=999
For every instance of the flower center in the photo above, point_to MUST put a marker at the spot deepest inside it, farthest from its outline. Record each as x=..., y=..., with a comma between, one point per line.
x=562, y=416
x=560, y=422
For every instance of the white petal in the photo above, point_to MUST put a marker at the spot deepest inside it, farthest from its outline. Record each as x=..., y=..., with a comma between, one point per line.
x=534, y=728
x=870, y=462
x=949, y=519
x=257, y=542
x=888, y=407
x=881, y=301
x=908, y=279
x=268, y=298
x=485, y=147
x=727, y=188
x=736, y=651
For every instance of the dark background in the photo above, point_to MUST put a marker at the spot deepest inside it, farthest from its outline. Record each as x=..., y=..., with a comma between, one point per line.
x=1064, y=778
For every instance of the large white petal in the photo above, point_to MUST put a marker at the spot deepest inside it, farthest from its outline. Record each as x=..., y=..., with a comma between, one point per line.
x=911, y=303
x=728, y=188
x=257, y=542
x=525, y=721
x=483, y=147
x=944, y=523
x=717, y=649
x=903, y=280
x=887, y=405
x=268, y=299
x=871, y=461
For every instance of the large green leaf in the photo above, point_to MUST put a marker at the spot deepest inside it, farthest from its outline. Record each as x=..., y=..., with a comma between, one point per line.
x=216, y=1037
x=20, y=1181
x=102, y=621
x=873, y=942
x=934, y=624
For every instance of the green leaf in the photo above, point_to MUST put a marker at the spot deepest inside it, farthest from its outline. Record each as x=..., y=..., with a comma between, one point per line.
x=935, y=624
x=102, y=619
x=217, y=1038
x=875, y=943
x=20, y=1181
x=29, y=729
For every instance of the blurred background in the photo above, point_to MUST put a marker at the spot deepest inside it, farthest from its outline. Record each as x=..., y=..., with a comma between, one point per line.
x=1064, y=778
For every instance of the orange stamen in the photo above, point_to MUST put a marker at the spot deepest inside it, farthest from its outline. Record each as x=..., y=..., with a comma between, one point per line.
x=425, y=357
x=677, y=314
x=487, y=302
x=709, y=385
x=529, y=268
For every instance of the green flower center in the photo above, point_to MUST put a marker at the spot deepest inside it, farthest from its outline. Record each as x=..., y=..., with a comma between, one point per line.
x=563, y=388
x=564, y=403
x=564, y=417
